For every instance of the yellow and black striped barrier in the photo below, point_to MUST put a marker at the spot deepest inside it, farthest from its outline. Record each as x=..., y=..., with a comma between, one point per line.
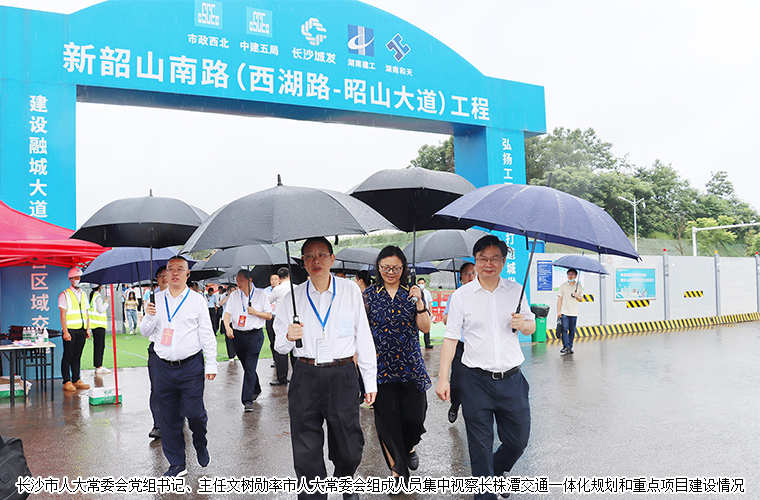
x=637, y=303
x=652, y=326
x=588, y=298
x=691, y=294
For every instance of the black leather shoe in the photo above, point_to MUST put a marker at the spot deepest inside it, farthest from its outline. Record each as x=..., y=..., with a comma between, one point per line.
x=155, y=433
x=277, y=383
x=453, y=413
x=414, y=460
x=203, y=458
x=176, y=471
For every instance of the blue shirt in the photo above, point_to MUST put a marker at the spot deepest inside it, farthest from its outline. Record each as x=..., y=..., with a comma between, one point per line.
x=393, y=322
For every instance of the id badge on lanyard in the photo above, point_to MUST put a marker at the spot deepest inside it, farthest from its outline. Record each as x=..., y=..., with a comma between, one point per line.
x=324, y=346
x=168, y=333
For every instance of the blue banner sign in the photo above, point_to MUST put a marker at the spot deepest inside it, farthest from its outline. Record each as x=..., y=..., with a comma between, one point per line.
x=635, y=284
x=544, y=270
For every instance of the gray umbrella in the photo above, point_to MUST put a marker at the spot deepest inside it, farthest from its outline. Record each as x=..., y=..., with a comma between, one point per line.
x=358, y=255
x=248, y=255
x=445, y=244
x=285, y=213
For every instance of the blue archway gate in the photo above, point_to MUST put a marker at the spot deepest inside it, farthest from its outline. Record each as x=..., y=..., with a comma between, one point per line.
x=330, y=61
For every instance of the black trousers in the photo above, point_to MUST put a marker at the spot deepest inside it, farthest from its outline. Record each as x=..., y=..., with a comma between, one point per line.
x=456, y=376
x=317, y=394
x=98, y=346
x=400, y=410
x=72, y=355
x=179, y=390
x=426, y=337
x=214, y=319
x=280, y=360
x=154, y=407
x=228, y=341
x=483, y=400
x=247, y=347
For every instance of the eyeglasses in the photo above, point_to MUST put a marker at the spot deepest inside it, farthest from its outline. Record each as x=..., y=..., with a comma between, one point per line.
x=391, y=270
x=492, y=260
x=312, y=256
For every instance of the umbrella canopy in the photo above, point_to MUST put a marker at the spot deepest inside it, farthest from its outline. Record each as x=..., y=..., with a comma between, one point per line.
x=142, y=222
x=445, y=244
x=248, y=255
x=344, y=266
x=410, y=197
x=581, y=263
x=285, y=213
x=358, y=255
x=28, y=241
x=127, y=265
x=543, y=213
x=452, y=265
x=200, y=272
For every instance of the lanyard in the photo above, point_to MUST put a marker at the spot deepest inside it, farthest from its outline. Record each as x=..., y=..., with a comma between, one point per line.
x=327, y=316
x=166, y=302
x=250, y=296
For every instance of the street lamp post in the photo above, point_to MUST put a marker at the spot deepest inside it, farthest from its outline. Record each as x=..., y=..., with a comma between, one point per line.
x=635, y=202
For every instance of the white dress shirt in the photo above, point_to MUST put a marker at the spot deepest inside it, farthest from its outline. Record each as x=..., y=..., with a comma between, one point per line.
x=192, y=328
x=237, y=306
x=347, y=327
x=484, y=320
x=278, y=292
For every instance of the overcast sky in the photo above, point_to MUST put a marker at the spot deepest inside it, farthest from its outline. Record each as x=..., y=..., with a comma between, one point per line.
x=674, y=80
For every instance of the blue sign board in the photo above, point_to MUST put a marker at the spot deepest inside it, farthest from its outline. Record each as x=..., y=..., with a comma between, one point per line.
x=544, y=277
x=338, y=61
x=635, y=284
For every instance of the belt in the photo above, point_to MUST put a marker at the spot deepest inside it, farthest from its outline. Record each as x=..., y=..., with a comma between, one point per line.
x=499, y=375
x=337, y=362
x=181, y=361
x=252, y=330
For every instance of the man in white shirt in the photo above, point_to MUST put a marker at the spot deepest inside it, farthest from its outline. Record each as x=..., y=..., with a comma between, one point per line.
x=75, y=323
x=493, y=387
x=275, y=298
x=568, y=296
x=245, y=314
x=429, y=301
x=162, y=280
x=333, y=327
x=180, y=329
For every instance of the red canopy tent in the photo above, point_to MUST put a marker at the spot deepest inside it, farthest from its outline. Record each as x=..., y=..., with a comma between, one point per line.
x=27, y=241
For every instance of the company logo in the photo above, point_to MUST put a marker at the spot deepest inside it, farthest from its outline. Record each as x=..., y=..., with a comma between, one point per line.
x=258, y=22
x=361, y=40
x=398, y=46
x=208, y=13
x=310, y=27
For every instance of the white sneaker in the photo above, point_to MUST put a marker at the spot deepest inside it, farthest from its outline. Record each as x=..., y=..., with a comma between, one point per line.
x=232, y=360
x=102, y=369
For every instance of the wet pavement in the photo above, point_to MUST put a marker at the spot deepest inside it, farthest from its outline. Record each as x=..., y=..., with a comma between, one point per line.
x=682, y=404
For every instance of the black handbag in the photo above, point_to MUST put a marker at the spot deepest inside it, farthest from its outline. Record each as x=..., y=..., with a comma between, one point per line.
x=558, y=331
x=12, y=466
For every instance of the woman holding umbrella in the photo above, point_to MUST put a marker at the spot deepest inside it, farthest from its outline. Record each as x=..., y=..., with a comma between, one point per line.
x=396, y=312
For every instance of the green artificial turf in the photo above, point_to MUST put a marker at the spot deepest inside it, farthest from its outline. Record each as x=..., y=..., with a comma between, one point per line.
x=132, y=350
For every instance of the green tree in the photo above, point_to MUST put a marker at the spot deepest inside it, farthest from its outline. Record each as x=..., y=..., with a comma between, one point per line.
x=715, y=239
x=719, y=185
x=440, y=157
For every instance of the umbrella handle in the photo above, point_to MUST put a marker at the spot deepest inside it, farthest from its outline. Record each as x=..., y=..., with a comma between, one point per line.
x=299, y=342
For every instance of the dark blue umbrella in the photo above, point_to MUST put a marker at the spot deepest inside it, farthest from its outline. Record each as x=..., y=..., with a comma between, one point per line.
x=126, y=265
x=581, y=263
x=541, y=213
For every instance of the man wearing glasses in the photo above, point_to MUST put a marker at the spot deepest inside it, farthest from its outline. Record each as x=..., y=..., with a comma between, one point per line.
x=179, y=326
x=333, y=327
x=493, y=388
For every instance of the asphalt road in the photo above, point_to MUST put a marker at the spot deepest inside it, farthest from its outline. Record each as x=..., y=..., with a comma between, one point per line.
x=665, y=409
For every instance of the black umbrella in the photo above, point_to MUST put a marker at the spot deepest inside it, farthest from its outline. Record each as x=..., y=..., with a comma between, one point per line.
x=201, y=272
x=581, y=263
x=541, y=213
x=285, y=213
x=410, y=197
x=453, y=266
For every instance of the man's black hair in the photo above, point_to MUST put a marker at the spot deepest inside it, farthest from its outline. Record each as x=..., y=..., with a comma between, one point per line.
x=490, y=241
x=245, y=273
x=160, y=270
x=283, y=273
x=320, y=239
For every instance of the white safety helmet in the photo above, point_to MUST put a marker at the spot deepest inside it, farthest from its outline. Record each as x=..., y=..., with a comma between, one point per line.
x=75, y=272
